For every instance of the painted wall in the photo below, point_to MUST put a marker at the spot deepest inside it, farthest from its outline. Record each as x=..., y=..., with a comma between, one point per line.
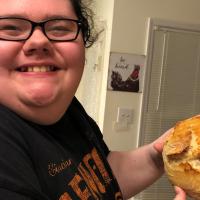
x=89, y=93
x=104, y=12
x=129, y=33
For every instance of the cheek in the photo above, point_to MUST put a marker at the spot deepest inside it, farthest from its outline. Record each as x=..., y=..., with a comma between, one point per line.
x=77, y=57
x=73, y=56
x=9, y=51
x=75, y=65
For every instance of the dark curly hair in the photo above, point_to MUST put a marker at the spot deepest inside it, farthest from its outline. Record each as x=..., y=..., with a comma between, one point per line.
x=85, y=14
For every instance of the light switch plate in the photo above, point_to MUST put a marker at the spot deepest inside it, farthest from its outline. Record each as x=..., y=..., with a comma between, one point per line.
x=125, y=115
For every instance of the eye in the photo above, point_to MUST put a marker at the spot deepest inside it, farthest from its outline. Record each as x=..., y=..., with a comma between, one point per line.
x=60, y=31
x=10, y=30
x=10, y=27
x=60, y=28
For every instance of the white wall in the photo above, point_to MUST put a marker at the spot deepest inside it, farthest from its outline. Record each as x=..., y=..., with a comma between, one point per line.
x=128, y=35
x=88, y=91
x=105, y=9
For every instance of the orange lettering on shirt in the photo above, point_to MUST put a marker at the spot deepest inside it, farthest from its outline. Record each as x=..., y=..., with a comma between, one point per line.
x=86, y=160
x=89, y=181
x=65, y=196
x=101, y=166
x=75, y=184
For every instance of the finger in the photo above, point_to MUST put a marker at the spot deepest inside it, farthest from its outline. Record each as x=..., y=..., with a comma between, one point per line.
x=159, y=143
x=180, y=194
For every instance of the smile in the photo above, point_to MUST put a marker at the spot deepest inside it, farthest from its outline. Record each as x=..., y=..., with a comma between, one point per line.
x=37, y=69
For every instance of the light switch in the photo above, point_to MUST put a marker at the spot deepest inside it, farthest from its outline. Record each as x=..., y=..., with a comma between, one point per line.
x=125, y=115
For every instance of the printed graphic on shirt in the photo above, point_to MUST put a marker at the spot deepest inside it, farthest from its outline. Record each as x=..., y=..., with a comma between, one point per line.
x=91, y=181
x=55, y=169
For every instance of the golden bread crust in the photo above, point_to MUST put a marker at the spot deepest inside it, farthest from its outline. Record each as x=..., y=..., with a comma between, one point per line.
x=181, y=156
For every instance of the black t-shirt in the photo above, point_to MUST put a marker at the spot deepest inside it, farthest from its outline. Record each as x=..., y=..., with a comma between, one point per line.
x=63, y=161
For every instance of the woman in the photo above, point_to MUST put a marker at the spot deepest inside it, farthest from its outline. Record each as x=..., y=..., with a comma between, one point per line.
x=49, y=147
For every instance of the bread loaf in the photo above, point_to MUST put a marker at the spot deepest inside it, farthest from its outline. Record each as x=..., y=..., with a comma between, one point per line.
x=181, y=156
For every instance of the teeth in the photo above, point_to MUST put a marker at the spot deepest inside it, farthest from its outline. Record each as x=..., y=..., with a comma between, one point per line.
x=30, y=69
x=37, y=69
x=44, y=69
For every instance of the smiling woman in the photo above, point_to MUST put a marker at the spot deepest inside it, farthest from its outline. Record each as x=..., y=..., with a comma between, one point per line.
x=42, y=124
x=33, y=52
x=50, y=149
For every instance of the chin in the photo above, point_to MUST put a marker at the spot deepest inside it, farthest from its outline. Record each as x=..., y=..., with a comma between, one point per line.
x=46, y=122
x=40, y=112
x=46, y=112
x=43, y=118
x=41, y=100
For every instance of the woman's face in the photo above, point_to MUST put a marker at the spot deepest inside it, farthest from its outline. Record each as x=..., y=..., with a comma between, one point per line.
x=41, y=96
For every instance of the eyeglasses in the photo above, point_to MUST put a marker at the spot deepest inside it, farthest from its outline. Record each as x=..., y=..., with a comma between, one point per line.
x=19, y=29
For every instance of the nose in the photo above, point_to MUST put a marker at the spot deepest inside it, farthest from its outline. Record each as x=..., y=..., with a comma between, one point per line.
x=37, y=44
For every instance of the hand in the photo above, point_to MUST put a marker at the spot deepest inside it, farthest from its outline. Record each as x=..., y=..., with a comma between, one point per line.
x=156, y=154
x=158, y=146
x=180, y=194
x=159, y=143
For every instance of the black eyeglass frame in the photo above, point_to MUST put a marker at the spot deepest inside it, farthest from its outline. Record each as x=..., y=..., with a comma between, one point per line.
x=42, y=25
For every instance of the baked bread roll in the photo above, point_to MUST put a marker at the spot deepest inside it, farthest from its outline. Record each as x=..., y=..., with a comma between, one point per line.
x=181, y=156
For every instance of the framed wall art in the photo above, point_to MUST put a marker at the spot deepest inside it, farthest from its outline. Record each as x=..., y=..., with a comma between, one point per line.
x=126, y=72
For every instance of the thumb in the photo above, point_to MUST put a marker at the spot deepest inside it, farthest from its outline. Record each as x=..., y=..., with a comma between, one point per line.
x=180, y=194
x=159, y=142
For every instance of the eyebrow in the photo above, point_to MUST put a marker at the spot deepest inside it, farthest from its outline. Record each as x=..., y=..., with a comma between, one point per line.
x=25, y=16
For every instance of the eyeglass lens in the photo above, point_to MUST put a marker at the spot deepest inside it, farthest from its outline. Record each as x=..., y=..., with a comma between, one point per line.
x=14, y=29
x=61, y=29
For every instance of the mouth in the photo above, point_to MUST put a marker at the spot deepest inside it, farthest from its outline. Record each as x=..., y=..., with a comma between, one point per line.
x=42, y=68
